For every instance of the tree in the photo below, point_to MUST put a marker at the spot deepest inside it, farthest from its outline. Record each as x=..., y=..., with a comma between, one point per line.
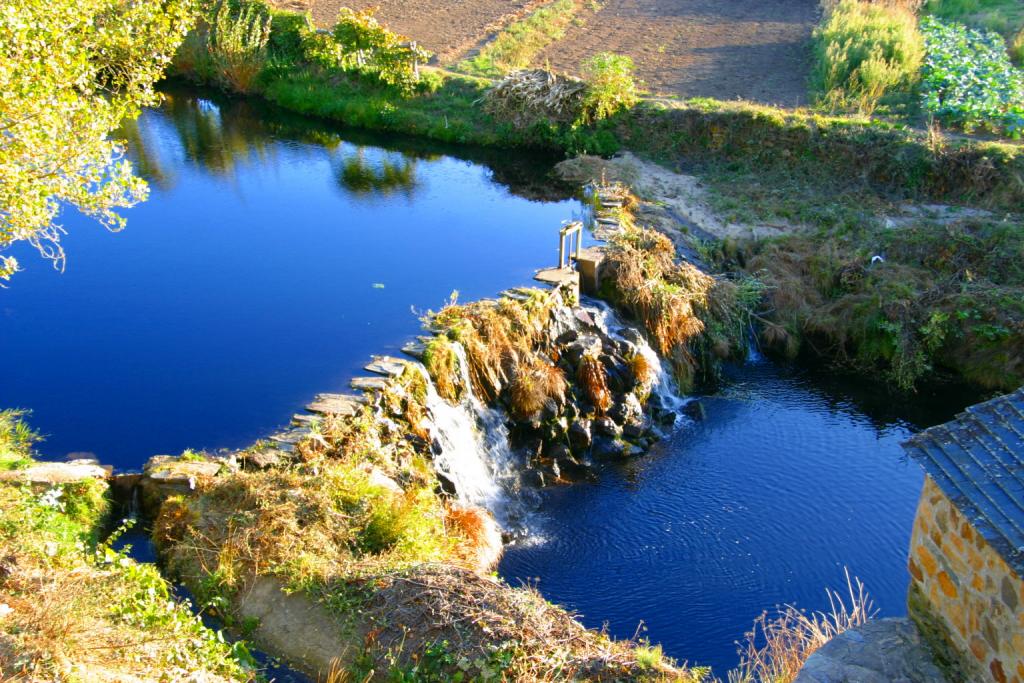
x=70, y=72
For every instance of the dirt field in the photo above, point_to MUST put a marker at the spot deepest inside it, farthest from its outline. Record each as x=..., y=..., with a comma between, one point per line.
x=727, y=49
x=448, y=28
x=749, y=49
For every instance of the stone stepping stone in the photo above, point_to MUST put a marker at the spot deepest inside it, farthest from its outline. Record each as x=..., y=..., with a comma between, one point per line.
x=603, y=220
x=304, y=420
x=369, y=383
x=345, y=405
x=291, y=436
x=52, y=473
x=387, y=366
x=416, y=348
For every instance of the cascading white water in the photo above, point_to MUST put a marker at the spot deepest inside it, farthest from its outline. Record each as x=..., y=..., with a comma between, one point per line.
x=475, y=454
x=664, y=385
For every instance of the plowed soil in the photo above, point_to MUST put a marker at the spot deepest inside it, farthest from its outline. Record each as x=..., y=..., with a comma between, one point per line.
x=727, y=49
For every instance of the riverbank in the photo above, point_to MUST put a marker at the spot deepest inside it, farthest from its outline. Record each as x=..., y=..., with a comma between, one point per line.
x=751, y=150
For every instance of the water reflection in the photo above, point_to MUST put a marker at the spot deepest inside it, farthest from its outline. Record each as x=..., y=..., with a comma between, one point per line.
x=216, y=134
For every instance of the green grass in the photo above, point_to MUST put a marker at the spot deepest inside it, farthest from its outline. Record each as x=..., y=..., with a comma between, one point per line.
x=517, y=45
x=863, y=52
x=16, y=440
x=1005, y=17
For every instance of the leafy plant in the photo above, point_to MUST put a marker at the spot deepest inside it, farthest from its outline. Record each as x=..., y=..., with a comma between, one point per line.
x=611, y=86
x=370, y=48
x=967, y=79
x=862, y=52
x=238, y=44
x=16, y=439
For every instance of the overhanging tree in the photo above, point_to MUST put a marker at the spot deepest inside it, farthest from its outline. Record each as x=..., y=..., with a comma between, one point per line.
x=70, y=72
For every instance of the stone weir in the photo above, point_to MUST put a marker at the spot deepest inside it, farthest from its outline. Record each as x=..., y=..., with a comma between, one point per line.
x=613, y=400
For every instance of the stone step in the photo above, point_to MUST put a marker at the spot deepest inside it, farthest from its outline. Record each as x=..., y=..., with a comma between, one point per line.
x=52, y=473
x=344, y=405
x=387, y=366
x=290, y=436
x=416, y=348
x=305, y=419
x=369, y=383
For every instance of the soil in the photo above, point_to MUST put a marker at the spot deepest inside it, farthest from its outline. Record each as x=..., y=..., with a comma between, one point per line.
x=749, y=49
x=755, y=50
x=448, y=29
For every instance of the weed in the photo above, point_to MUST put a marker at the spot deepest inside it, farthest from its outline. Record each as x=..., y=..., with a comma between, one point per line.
x=611, y=86
x=777, y=647
x=16, y=439
x=238, y=44
x=535, y=384
x=862, y=52
x=593, y=377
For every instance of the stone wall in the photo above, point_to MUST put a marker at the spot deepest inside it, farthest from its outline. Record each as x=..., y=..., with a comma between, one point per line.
x=964, y=597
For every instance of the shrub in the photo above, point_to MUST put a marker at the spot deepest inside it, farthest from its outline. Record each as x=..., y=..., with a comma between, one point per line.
x=370, y=48
x=593, y=377
x=968, y=79
x=238, y=44
x=529, y=97
x=535, y=383
x=289, y=32
x=862, y=52
x=16, y=439
x=610, y=86
x=1017, y=48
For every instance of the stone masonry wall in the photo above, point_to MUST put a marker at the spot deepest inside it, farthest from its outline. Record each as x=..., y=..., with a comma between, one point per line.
x=966, y=600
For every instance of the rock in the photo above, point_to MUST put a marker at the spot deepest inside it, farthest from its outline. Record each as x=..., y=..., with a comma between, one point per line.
x=369, y=384
x=387, y=366
x=607, y=426
x=46, y=474
x=879, y=651
x=558, y=451
x=580, y=436
x=634, y=430
x=587, y=344
x=567, y=337
x=263, y=458
x=169, y=475
x=584, y=318
x=447, y=485
x=695, y=410
x=291, y=436
x=416, y=348
x=607, y=447
x=572, y=468
x=627, y=410
x=344, y=405
x=379, y=478
x=631, y=335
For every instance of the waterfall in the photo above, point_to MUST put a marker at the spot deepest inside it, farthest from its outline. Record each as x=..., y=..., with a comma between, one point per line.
x=664, y=385
x=473, y=449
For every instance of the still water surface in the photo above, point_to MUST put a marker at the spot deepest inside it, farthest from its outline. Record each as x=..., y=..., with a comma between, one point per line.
x=791, y=476
x=276, y=254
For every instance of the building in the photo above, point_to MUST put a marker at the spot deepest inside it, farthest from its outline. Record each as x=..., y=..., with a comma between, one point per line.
x=967, y=549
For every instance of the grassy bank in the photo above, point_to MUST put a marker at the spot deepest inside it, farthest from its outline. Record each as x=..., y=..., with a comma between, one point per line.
x=515, y=46
x=74, y=609
x=771, y=147
x=356, y=538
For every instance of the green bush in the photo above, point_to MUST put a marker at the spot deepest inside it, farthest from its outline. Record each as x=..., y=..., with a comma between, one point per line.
x=289, y=32
x=863, y=52
x=238, y=41
x=373, y=50
x=611, y=86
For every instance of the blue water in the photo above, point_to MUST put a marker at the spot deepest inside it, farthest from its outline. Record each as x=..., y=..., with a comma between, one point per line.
x=791, y=476
x=274, y=256
x=277, y=254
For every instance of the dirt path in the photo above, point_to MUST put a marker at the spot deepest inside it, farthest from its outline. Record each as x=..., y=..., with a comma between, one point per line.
x=750, y=49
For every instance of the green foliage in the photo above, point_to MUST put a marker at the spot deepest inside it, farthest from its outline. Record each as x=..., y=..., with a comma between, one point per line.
x=238, y=39
x=371, y=49
x=289, y=33
x=968, y=79
x=611, y=87
x=72, y=71
x=517, y=45
x=16, y=439
x=863, y=51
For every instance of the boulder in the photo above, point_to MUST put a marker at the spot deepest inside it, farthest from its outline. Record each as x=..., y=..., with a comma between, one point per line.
x=608, y=447
x=580, y=436
x=607, y=427
x=627, y=410
x=42, y=475
x=587, y=344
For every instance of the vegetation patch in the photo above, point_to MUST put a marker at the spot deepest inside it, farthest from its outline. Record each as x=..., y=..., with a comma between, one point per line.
x=76, y=609
x=16, y=440
x=909, y=300
x=968, y=79
x=864, y=51
x=516, y=46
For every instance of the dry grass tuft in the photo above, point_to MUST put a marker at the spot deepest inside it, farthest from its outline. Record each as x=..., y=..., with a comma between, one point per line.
x=535, y=384
x=593, y=377
x=526, y=97
x=777, y=647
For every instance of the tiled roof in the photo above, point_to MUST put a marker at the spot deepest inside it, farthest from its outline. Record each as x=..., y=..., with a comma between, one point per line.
x=978, y=462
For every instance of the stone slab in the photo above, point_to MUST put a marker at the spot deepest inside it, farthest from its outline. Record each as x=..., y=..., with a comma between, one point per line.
x=369, y=383
x=345, y=405
x=387, y=366
x=50, y=473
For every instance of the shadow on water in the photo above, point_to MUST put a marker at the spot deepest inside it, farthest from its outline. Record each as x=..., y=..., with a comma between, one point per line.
x=792, y=474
